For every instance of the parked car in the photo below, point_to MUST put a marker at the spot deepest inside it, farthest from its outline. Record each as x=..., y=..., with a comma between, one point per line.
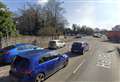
x=54, y=44
x=79, y=47
x=8, y=53
x=97, y=35
x=78, y=36
x=37, y=65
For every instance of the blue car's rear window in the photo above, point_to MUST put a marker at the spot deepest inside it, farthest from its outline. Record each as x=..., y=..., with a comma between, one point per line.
x=21, y=62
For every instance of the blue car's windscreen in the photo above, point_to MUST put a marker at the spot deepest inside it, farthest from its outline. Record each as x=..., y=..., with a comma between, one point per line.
x=77, y=45
x=21, y=62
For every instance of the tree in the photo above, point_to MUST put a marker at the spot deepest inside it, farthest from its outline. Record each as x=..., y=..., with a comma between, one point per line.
x=75, y=28
x=7, y=26
x=89, y=31
x=54, y=17
x=42, y=20
x=30, y=20
x=67, y=31
x=83, y=29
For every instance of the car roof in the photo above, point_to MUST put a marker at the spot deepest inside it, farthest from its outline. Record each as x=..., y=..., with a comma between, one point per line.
x=80, y=42
x=34, y=53
x=20, y=44
x=55, y=40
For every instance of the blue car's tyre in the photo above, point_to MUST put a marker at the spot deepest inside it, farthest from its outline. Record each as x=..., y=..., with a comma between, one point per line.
x=65, y=63
x=40, y=77
x=82, y=53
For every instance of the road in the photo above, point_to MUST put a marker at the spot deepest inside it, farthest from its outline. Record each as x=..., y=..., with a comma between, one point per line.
x=99, y=64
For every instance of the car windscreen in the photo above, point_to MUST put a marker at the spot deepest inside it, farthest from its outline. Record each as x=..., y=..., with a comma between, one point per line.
x=52, y=42
x=9, y=47
x=76, y=45
x=21, y=62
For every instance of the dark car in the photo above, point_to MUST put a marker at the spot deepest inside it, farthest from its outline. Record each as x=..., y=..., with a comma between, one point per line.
x=37, y=65
x=8, y=53
x=79, y=47
x=78, y=36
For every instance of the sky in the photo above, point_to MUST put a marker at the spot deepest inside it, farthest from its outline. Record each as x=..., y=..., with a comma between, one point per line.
x=103, y=14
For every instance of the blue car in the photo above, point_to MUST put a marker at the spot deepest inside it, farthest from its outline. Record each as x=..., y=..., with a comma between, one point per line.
x=79, y=47
x=37, y=65
x=8, y=53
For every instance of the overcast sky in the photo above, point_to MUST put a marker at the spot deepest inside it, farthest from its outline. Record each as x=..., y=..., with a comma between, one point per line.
x=94, y=13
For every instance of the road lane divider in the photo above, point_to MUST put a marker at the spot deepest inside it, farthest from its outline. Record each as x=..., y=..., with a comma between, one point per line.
x=3, y=73
x=79, y=66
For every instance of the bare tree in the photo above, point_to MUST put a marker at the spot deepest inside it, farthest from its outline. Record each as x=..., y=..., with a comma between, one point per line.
x=42, y=20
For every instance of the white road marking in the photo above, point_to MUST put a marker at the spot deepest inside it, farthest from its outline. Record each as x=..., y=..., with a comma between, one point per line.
x=3, y=73
x=104, y=60
x=78, y=66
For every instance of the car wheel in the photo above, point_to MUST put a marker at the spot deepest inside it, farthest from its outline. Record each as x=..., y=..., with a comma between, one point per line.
x=57, y=47
x=40, y=77
x=65, y=63
x=83, y=52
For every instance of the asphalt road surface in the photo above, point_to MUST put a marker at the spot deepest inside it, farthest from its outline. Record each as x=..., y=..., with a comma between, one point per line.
x=100, y=64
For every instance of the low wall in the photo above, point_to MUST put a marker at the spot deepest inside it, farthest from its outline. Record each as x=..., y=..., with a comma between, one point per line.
x=41, y=41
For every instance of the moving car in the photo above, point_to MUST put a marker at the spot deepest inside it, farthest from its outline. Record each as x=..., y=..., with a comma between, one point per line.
x=37, y=65
x=8, y=53
x=54, y=44
x=79, y=47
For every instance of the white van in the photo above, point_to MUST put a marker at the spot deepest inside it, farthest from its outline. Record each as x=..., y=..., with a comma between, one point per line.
x=54, y=44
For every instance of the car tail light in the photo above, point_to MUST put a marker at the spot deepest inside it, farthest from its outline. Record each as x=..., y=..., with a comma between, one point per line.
x=7, y=53
x=27, y=72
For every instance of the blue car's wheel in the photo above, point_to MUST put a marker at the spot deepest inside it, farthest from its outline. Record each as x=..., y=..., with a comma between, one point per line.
x=82, y=53
x=40, y=77
x=65, y=63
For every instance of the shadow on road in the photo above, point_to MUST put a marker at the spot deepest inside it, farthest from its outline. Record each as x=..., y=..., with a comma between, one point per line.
x=5, y=79
x=72, y=54
x=109, y=51
x=2, y=64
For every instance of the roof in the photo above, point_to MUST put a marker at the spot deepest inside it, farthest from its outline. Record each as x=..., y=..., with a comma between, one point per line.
x=20, y=44
x=34, y=53
x=55, y=40
x=80, y=42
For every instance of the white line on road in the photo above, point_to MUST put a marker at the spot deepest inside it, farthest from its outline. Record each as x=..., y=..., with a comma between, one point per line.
x=78, y=66
x=4, y=73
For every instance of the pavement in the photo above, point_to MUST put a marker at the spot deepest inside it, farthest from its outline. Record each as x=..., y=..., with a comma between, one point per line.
x=99, y=64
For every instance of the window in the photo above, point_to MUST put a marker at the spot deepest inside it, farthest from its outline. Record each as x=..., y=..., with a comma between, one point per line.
x=60, y=41
x=47, y=58
x=9, y=47
x=29, y=46
x=21, y=62
x=21, y=48
x=76, y=44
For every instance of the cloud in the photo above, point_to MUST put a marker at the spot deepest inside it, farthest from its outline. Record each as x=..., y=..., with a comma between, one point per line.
x=42, y=1
x=86, y=14
x=101, y=14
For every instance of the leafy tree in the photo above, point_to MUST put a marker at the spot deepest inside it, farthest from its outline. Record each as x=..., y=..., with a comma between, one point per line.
x=7, y=26
x=75, y=28
x=42, y=20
